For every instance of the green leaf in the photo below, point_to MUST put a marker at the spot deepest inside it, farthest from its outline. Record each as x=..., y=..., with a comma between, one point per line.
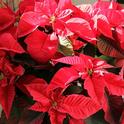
x=65, y=46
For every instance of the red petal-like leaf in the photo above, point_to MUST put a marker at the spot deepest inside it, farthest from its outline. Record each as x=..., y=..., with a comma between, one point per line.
x=39, y=107
x=56, y=117
x=19, y=70
x=6, y=18
x=26, y=5
x=41, y=47
x=29, y=22
x=79, y=106
x=113, y=15
x=8, y=43
x=25, y=28
x=103, y=26
x=49, y=7
x=82, y=28
x=119, y=35
x=95, y=87
x=64, y=4
x=75, y=121
x=119, y=62
x=62, y=78
x=38, y=92
x=7, y=95
x=71, y=60
x=34, y=18
x=115, y=84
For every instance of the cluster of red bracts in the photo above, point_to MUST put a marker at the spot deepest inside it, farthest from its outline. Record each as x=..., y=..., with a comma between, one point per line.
x=53, y=32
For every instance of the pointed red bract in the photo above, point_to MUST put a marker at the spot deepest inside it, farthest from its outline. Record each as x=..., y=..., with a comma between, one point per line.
x=62, y=78
x=82, y=28
x=95, y=87
x=7, y=18
x=115, y=84
x=7, y=95
x=29, y=22
x=41, y=47
x=79, y=106
x=74, y=121
x=57, y=104
x=56, y=117
x=8, y=43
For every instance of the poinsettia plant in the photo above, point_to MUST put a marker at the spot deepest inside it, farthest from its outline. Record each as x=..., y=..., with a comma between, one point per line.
x=62, y=63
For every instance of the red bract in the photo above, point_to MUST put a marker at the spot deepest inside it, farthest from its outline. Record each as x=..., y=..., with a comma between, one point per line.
x=47, y=38
x=46, y=12
x=96, y=77
x=8, y=75
x=68, y=75
x=41, y=47
x=8, y=43
x=82, y=28
x=26, y=5
x=120, y=33
x=58, y=105
x=7, y=18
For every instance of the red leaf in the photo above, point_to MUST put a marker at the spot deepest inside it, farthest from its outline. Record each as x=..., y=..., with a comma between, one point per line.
x=6, y=18
x=75, y=121
x=25, y=28
x=115, y=84
x=56, y=117
x=39, y=107
x=119, y=35
x=19, y=70
x=7, y=95
x=79, y=106
x=37, y=90
x=103, y=26
x=62, y=78
x=95, y=87
x=72, y=60
x=26, y=5
x=8, y=43
x=29, y=22
x=82, y=28
x=64, y=4
x=49, y=7
x=41, y=47
x=113, y=15
x=121, y=73
x=119, y=62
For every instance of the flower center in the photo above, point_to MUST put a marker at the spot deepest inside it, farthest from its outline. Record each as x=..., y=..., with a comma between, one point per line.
x=52, y=19
x=54, y=104
x=90, y=72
